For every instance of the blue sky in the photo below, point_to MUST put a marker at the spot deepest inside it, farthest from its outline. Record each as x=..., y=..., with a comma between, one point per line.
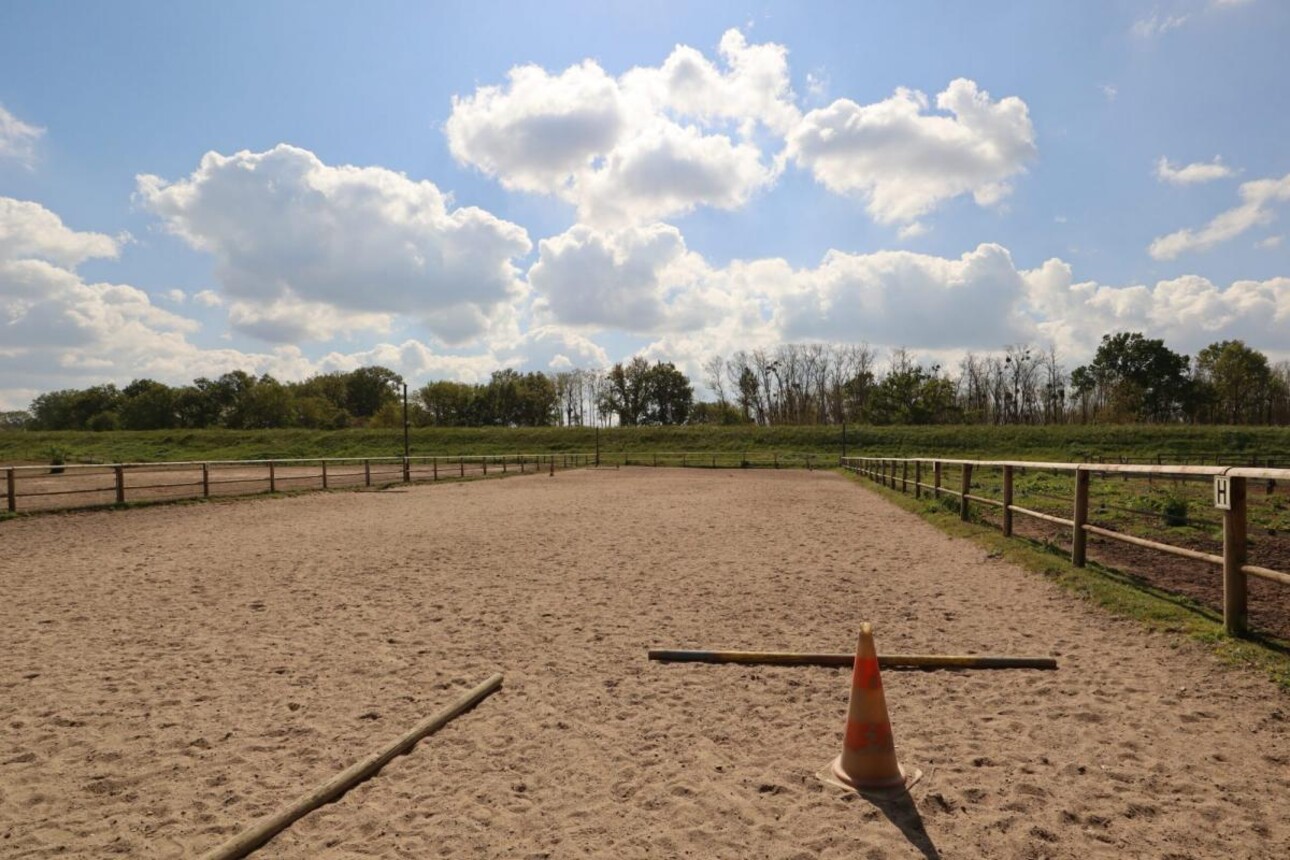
x=583, y=212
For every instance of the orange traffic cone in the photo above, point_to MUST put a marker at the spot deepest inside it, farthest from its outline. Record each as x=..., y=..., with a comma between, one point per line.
x=868, y=761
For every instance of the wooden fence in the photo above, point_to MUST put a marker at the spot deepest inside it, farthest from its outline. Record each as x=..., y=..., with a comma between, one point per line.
x=32, y=488
x=29, y=488
x=895, y=473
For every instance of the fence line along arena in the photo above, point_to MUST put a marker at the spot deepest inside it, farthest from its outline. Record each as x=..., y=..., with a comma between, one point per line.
x=172, y=675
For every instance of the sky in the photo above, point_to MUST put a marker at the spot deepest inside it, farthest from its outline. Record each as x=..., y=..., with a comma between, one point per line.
x=447, y=189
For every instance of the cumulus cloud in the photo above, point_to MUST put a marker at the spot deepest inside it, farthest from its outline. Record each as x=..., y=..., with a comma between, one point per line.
x=306, y=251
x=897, y=297
x=1189, y=311
x=57, y=330
x=654, y=142
x=613, y=279
x=662, y=140
x=1192, y=174
x=646, y=281
x=1257, y=201
x=905, y=161
x=30, y=231
x=18, y=139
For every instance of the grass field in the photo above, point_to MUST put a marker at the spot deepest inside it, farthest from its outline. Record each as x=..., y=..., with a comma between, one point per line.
x=1169, y=444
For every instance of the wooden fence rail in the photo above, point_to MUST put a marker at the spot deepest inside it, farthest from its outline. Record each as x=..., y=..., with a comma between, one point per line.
x=30, y=488
x=40, y=487
x=1232, y=479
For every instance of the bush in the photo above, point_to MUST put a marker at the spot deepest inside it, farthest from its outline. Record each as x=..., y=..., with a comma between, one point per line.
x=57, y=458
x=1173, y=510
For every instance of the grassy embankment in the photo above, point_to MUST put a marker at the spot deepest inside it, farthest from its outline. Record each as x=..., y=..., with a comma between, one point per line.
x=1072, y=442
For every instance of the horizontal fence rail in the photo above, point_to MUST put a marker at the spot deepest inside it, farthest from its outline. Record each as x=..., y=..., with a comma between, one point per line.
x=913, y=473
x=60, y=487
x=77, y=485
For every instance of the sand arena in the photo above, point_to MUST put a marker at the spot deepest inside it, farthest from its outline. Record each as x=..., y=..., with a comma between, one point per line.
x=168, y=675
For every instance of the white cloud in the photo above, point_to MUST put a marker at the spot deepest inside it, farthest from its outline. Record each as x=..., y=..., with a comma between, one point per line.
x=656, y=141
x=817, y=85
x=339, y=248
x=1270, y=242
x=1188, y=312
x=898, y=297
x=905, y=161
x=58, y=331
x=18, y=139
x=30, y=231
x=1256, y=209
x=619, y=279
x=646, y=281
x=1110, y=91
x=1157, y=24
x=1193, y=174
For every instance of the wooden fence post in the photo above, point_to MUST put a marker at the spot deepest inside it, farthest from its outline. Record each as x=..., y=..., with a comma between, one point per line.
x=1079, y=537
x=407, y=470
x=967, y=488
x=324, y=475
x=904, y=477
x=1007, y=501
x=1234, y=554
x=461, y=467
x=434, y=465
x=918, y=479
x=484, y=460
x=273, y=478
x=367, y=473
x=11, y=490
x=504, y=459
x=120, y=484
x=936, y=479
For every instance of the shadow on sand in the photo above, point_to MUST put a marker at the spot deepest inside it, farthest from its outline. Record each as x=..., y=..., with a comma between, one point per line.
x=903, y=812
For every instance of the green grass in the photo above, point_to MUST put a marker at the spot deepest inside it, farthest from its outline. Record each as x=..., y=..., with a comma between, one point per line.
x=1120, y=593
x=1071, y=442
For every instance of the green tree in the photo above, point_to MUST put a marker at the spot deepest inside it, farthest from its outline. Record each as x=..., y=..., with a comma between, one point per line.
x=1137, y=378
x=367, y=389
x=626, y=391
x=148, y=405
x=910, y=394
x=448, y=404
x=670, y=395
x=1235, y=382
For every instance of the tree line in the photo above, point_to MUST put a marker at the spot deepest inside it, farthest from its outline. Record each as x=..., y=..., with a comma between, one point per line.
x=1131, y=379
x=633, y=393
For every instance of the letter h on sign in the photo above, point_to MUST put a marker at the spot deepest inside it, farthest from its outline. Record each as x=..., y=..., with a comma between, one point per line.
x=1222, y=493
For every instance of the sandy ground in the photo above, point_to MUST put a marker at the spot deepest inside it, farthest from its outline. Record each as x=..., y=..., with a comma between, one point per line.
x=168, y=675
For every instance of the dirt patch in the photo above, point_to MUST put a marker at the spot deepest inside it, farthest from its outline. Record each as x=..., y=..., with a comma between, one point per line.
x=168, y=675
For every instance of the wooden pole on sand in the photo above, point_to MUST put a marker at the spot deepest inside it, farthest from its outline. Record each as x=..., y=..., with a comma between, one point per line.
x=886, y=661
x=266, y=828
